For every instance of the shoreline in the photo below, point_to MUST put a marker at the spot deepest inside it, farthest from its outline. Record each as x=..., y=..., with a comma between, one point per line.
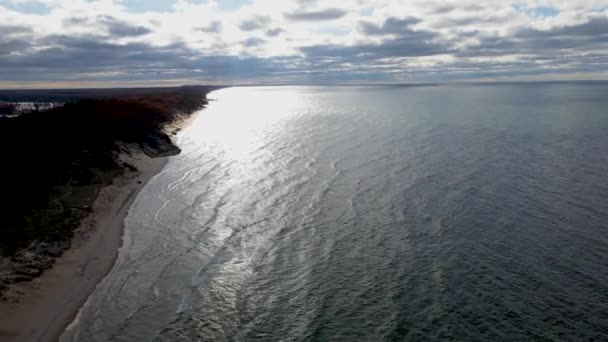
x=50, y=303
x=70, y=330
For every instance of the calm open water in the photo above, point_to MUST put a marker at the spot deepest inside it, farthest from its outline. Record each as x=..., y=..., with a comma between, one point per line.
x=463, y=212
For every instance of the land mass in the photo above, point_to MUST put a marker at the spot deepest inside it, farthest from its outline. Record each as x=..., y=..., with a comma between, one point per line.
x=68, y=177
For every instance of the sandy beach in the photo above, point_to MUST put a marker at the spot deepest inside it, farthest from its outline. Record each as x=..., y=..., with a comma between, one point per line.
x=50, y=303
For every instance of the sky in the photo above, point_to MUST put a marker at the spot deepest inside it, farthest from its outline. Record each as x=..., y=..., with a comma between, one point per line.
x=109, y=43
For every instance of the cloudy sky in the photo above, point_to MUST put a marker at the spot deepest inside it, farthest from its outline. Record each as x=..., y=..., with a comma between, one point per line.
x=160, y=42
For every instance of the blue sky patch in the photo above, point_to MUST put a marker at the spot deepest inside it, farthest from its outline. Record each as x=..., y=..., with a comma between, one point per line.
x=232, y=4
x=149, y=5
x=139, y=6
x=541, y=11
x=32, y=7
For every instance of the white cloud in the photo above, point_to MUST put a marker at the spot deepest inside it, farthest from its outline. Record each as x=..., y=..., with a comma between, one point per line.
x=315, y=36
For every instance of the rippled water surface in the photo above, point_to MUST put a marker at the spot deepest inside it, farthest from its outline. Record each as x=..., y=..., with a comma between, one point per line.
x=372, y=214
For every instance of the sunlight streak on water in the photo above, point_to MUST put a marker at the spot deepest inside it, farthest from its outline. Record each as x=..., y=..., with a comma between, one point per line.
x=241, y=127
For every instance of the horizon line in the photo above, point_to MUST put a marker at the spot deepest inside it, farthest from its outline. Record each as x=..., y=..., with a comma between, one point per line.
x=127, y=87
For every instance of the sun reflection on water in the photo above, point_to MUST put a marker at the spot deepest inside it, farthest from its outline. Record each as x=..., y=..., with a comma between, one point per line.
x=239, y=128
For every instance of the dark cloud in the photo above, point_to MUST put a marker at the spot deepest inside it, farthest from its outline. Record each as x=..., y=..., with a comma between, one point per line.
x=526, y=66
x=390, y=26
x=65, y=52
x=255, y=23
x=120, y=28
x=214, y=27
x=15, y=39
x=10, y=46
x=442, y=8
x=322, y=15
x=113, y=26
x=253, y=42
x=10, y=30
x=75, y=21
x=474, y=19
x=469, y=34
x=274, y=32
x=412, y=44
x=583, y=37
x=596, y=26
x=25, y=55
x=91, y=58
x=405, y=43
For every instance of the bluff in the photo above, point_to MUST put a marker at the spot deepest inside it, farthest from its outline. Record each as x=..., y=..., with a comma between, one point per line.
x=54, y=161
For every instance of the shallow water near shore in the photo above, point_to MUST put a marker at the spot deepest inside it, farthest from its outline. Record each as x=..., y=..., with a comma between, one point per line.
x=384, y=213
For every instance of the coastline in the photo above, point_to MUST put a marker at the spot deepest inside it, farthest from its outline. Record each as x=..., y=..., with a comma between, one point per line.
x=69, y=330
x=51, y=302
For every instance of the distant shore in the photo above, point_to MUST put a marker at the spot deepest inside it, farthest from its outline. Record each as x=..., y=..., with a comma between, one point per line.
x=52, y=301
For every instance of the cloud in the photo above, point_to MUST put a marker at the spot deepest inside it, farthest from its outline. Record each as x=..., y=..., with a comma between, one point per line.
x=253, y=42
x=588, y=36
x=407, y=46
x=596, y=26
x=256, y=23
x=390, y=26
x=11, y=30
x=470, y=20
x=10, y=46
x=274, y=32
x=122, y=29
x=65, y=52
x=448, y=8
x=75, y=21
x=321, y=15
x=14, y=39
x=403, y=42
x=90, y=58
x=299, y=41
x=214, y=27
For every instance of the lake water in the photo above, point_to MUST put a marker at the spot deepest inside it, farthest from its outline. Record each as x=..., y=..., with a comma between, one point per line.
x=463, y=212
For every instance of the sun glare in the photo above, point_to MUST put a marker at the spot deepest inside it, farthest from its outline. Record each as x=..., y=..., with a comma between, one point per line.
x=232, y=126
